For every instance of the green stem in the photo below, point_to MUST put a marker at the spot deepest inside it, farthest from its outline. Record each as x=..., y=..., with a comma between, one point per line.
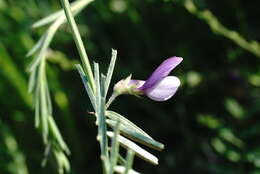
x=111, y=99
x=79, y=42
x=129, y=160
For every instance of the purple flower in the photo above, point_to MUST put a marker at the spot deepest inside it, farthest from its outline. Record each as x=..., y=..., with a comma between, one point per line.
x=158, y=87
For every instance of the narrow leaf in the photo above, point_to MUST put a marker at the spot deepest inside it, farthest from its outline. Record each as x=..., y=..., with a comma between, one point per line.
x=114, y=116
x=121, y=160
x=103, y=123
x=137, y=149
x=47, y=151
x=135, y=135
x=121, y=170
x=33, y=80
x=37, y=111
x=102, y=116
x=129, y=160
x=37, y=59
x=48, y=97
x=62, y=161
x=86, y=85
x=97, y=82
x=56, y=133
x=110, y=70
x=75, y=7
x=100, y=112
x=48, y=36
x=43, y=113
x=37, y=46
x=114, y=148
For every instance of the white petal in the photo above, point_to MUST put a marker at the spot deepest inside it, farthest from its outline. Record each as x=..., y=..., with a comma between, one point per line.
x=165, y=89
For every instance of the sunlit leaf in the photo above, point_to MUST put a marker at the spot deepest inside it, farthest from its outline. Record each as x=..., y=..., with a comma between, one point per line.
x=135, y=135
x=110, y=70
x=121, y=170
x=137, y=149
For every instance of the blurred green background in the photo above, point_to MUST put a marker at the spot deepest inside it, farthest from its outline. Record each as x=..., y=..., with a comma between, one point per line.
x=210, y=126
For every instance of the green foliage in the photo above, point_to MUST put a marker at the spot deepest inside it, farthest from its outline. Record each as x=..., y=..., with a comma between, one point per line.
x=210, y=126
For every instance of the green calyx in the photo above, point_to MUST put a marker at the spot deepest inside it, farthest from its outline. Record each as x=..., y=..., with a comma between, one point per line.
x=125, y=86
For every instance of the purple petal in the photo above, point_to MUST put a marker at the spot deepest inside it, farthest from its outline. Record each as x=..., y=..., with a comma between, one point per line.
x=164, y=90
x=162, y=71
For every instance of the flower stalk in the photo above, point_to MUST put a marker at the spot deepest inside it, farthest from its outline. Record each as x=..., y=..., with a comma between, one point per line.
x=110, y=100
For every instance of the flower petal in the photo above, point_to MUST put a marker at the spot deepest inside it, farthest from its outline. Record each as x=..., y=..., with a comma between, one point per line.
x=164, y=90
x=162, y=71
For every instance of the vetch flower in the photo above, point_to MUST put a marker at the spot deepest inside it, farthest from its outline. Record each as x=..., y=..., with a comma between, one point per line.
x=158, y=87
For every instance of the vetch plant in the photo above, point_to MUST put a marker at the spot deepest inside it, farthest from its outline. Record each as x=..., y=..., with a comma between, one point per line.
x=158, y=87
x=55, y=146
x=110, y=124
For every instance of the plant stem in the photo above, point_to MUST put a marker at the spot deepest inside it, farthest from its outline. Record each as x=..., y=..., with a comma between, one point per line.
x=111, y=99
x=79, y=42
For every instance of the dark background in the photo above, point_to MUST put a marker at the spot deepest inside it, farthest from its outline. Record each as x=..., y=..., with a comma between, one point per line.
x=211, y=125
